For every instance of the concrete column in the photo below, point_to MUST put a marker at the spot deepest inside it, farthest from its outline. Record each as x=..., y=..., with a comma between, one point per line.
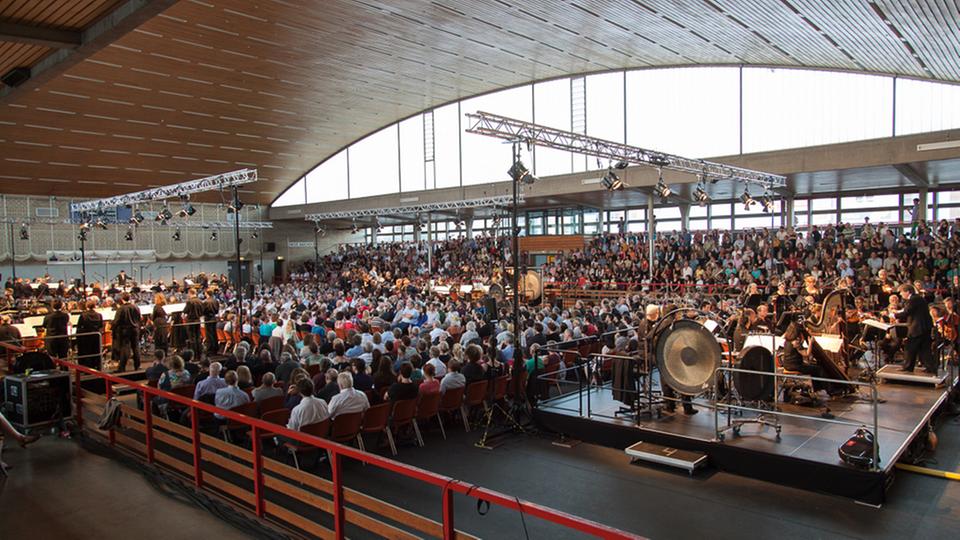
x=790, y=214
x=651, y=228
x=685, y=217
x=923, y=204
x=468, y=219
x=430, y=243
x=373, y=235
x=416, y=232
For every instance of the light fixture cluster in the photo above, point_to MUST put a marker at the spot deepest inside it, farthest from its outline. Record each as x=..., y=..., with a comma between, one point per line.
x=611, y=181
x=662, y=189
x=520, y=173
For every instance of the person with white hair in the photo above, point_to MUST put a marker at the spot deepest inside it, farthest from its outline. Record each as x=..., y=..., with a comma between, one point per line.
x=470, y=334
x=349, y=399
x=212, y=383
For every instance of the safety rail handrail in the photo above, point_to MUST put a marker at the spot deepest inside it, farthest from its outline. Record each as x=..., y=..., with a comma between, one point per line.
x=448, y=485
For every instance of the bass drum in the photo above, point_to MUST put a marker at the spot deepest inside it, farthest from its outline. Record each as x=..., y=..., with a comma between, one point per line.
x=751, y=386
x=688, y=356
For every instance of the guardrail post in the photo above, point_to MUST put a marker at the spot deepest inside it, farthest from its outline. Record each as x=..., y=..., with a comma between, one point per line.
x=79, y=398
x=257, y=472
x=195, y=426
x=148, y=424
x=338, y=524
x=109, y=394
x=449, y=532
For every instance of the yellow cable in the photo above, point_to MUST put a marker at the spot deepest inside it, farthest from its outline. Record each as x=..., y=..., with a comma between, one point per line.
x=930, y=472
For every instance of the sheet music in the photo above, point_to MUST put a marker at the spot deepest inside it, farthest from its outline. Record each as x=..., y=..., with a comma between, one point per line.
x=26, y=330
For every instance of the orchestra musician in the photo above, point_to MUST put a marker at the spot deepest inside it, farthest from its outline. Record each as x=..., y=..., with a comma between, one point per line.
x=161, y=324
x=192, y=312
x=55, y=324
x=211, y=308
x=793, y=356
x=811, y=291
x=668, y=393
x=89, y=349
x=126, y=333
x=121, y=279
x=916, y=314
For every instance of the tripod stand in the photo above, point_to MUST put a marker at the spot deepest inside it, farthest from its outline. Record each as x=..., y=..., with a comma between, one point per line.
x=490, y=410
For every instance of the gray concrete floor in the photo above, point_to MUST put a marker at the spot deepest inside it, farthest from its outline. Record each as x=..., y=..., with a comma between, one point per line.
x=58, y=490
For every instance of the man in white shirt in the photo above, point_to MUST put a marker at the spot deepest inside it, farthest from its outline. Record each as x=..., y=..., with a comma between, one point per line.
x=310, y=410
x=349, y=400
x=440, y=369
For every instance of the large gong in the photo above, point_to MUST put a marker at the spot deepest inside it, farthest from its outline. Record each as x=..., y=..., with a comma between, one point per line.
x=688, y=356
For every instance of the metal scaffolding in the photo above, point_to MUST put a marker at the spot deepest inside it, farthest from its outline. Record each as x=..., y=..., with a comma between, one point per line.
x=210, y=183
x=501, y=127
x=426, y=208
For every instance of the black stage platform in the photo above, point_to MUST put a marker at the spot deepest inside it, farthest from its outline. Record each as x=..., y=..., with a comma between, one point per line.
x=805, y=456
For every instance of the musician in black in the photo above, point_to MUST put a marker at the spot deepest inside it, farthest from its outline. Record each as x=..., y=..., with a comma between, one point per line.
x=211, y=309
x=55, y=323
x=161, y=324
x=916, y=313
x=89, y=325
x=192, y=312
x=126, y=334
x=9, y=333
x=122, y=279
x=793, y=355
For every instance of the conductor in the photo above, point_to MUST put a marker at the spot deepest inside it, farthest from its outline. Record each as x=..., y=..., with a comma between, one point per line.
x=211, y=308
x=916, y=314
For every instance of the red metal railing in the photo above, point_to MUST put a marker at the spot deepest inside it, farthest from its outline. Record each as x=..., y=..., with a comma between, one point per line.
x=449, y=486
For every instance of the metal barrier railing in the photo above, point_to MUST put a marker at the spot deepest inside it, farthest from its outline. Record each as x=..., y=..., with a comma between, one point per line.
x=775, y=411
x=448, y=486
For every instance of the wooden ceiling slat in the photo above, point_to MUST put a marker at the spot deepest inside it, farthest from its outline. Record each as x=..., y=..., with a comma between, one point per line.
x=205, y=86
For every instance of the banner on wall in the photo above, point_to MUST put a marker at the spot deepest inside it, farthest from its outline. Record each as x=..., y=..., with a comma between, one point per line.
x=292, y=244
x=118, y=256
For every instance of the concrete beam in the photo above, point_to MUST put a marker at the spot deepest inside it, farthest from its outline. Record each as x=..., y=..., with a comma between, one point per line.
x=44, y=37
x=911, y=174
x=124, y=19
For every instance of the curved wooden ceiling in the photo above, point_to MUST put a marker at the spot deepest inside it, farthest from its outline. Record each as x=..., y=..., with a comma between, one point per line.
x=214, y=85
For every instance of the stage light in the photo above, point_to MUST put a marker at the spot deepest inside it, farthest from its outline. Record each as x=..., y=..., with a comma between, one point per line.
x=621, y=165
x=520, y=173
x=747, y=200
x=767, y=203
x=129, y=236
x=658, y=160
x=213, y=236
x=101, y=224
x=235, y=206
x=82, y=235
x=379, y=226
x=254, y=235
x=164, y=215
x=662, y=189
x=700, y=195
x=354, y=229
x=187, y=210
x=136, y=218
x=611, y=181
x=24, y=232
x=176, y=235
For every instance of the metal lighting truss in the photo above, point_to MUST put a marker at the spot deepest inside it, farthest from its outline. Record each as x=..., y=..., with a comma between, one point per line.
x=221, y=225
x=498, y=200
x=210, y=183
x=501, y=127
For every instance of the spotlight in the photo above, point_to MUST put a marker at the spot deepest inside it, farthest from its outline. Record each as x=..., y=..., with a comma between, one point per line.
x=611, y=181
x=82, y=236
x=520, y=173
x=235, y=206
x=747, y=200
x=317, y=228
x=621, y=165
x=700, y=195
x=187, y=210
x=164, y=215
x=213, y=236
x=354, y=229
x=379, y=226
x=662, y=189
x=767, y=203
x=254, y=235
x=658, y=160
x=136, y=218
x=176, y=235
x=24, y=232
x=101, y=224
x=129, y=236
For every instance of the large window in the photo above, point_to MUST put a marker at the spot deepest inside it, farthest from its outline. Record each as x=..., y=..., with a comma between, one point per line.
x=696, y=112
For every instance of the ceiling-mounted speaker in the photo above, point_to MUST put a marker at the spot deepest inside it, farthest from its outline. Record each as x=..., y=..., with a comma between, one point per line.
x=16, y=76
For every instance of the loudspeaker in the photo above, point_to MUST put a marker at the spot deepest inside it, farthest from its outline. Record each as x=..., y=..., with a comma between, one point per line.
x=16, y=76
x=490, y=308
x=270, y=247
